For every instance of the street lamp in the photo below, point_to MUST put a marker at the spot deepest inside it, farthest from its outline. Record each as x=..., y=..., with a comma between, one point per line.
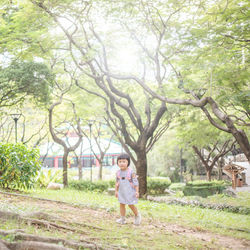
x=90, y=123
x=234, y=152
x=15, y=117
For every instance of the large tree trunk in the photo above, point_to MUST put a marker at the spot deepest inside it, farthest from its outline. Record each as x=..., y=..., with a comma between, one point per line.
x=220, y=167
x=209, y=171
x=79, y=169
x=65, y=167
x=141, y=169
x=100, y=170
x=243, y=142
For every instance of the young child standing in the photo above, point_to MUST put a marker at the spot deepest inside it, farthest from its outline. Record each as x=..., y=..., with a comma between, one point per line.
x=127, y=189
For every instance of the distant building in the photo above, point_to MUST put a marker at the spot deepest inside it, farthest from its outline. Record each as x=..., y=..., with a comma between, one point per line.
x=242, y=161
x=51, y=153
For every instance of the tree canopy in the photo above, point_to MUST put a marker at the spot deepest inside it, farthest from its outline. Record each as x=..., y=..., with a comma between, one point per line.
x=25, y=79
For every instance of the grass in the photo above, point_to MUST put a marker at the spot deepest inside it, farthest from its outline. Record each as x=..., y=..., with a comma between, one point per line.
x=129, y=236
x=203, y=219
x=242, y=199
x=122, y=236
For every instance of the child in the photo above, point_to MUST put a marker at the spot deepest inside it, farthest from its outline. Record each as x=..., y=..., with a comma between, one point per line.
x=126, y=189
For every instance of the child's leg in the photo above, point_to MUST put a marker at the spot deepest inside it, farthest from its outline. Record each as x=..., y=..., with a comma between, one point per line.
x=122, y=209
x=136, y=213
x=134, y=209
x=122, y=212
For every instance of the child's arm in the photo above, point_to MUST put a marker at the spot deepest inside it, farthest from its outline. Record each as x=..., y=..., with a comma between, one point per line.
x=116, y=187
x=137, y=191
x=136, y=185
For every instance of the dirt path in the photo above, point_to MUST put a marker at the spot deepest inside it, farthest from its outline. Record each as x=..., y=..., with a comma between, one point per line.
x=101, y=218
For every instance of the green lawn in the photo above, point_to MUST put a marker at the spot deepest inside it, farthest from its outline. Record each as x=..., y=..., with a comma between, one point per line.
x=160, y=221
x=205, y=219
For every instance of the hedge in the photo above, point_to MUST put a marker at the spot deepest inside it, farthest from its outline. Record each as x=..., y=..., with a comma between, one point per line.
x=177, y=186
x=154, y=185
x=204, y=188
x=98, y=186
x=157, y=185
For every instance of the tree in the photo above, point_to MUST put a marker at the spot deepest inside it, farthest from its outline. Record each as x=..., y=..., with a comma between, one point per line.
x=169, y=38
x=194, y=32
x=210, y=156
x=98, y=136
x=136, y=128
x=67, y=148
x=209, y=144
x=21, y=80
x=23, y=32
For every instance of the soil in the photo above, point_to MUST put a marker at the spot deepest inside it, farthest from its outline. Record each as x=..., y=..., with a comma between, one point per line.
x=87, y=216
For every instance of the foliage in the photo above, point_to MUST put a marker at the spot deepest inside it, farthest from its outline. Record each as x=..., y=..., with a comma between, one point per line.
x=18, y=166
x=204, y=188
x=177, y=186
x=201, y=183
x=157, y=185
x=24, y=30
x=98, y=186
x=46, y=176
x=21, y=79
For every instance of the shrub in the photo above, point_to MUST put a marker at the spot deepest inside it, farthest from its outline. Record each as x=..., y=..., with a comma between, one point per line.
x=111, y=183
x=18, y=166
x=204, y=188
x=46, y=176
x=98, y=186
x=157, y=185
x=177, y=186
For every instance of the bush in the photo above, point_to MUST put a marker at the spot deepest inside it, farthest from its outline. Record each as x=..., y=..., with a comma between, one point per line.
x=177, y=186
x=157, y=185
x=111, y=183
x=46, y=176
x=98, y=186
x=18, y=166
x=204, y=188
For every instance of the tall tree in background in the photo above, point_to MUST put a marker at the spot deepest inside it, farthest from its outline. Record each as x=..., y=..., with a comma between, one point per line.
x=21, y=80
x=99, y=135
x=200, y=38
x=135, y=118
x=209, y=144
x=59, y=136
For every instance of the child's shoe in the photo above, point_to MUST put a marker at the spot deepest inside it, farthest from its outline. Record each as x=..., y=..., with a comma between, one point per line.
x=137, y=219
x=121, y=220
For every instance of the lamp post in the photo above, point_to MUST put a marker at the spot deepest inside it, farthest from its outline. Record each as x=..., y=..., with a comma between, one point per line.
x=181, y=166
x=15, y=117
x=90, y=123
x=234, y=152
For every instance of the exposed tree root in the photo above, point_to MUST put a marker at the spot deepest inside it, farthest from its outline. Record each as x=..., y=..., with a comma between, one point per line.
x=3, y=245
x=30, y=241
x=9, y=215
x=45, y=216
x=34, y=245
x=49, y=224
x=44, y=223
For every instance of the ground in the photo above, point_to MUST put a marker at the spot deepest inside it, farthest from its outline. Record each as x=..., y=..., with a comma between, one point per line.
x=98, y=225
